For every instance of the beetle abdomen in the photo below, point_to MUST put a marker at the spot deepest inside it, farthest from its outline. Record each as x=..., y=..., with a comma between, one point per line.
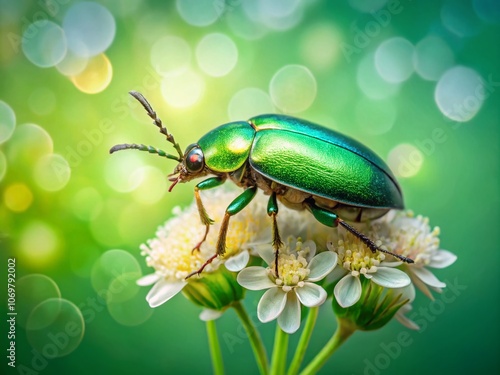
x=320, y=167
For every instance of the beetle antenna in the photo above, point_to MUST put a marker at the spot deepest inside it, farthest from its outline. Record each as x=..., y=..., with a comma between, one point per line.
x=141, y=147
x=371, y=245
x=157, y=121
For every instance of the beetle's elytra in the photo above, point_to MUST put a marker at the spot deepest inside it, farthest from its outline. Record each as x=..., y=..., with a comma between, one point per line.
x=301, y=164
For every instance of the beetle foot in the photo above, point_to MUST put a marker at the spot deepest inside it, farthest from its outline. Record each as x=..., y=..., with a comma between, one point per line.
x=198, y=245
x=200, y=270
x=196, y=248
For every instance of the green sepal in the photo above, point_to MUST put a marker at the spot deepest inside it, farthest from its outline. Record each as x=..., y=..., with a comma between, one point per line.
x=215, y=290
x=375, y=308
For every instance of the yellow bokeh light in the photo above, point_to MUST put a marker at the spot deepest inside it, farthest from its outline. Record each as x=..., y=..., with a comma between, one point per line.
x=17, y=197
x=38, y=245
x=96, y=76
x=405, y=160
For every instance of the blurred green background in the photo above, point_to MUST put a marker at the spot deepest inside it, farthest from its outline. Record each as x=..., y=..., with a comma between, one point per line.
x=416, y=81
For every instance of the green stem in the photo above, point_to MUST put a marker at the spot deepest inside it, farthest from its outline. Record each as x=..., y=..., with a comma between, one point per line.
x=279, y=352
x=253, y=335
x=215, y=353
x=344, y=330
x=305, y=337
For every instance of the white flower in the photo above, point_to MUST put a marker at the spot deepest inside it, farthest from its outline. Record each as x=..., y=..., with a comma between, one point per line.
x=409, y=294
x=404, y=234
x=298, y=269
x=355, y=260
x=171, y=255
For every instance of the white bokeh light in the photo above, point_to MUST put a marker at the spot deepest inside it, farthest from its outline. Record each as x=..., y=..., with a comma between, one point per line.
x=200, y=12
x=432, y=57
x=460, y=93
x=216, y=54
x=293, y=88
x=44, y=43
x=249, y=102
x=90, y=28
x=52, y=172
x=394, y=60
x=170, y=56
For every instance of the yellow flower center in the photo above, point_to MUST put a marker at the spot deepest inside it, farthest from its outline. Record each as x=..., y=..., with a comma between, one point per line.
x=292, y=267
x=411, y=237
x=356, y=257
x=171, y=255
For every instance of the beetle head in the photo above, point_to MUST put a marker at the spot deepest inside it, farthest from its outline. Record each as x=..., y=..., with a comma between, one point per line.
x=190, y=167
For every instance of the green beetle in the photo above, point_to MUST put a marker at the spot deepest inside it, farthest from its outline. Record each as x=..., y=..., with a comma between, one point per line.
x=301, y=164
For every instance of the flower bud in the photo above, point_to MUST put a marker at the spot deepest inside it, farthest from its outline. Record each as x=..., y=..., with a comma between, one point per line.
x=215, y=290
x=375, y=308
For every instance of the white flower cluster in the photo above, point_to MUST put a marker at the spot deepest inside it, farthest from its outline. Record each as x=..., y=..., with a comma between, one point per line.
x=304, y=266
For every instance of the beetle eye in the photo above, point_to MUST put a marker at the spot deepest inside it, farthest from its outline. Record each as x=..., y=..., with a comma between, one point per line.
x=194, y=160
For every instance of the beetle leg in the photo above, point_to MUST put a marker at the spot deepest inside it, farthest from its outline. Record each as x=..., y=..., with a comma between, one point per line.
x=368, y=242
x=197, y=272
x=205, y=219
x=239, y=203
x=331, y=219
x=272, y=211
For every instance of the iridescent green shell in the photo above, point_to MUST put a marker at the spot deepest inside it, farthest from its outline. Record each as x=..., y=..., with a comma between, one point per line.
x=323, y=162
x=306, y=157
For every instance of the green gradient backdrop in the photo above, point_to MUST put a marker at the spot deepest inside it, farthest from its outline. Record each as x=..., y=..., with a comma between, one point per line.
x=456, y=184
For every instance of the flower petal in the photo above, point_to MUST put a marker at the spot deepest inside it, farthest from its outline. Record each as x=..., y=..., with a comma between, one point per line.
x=266, y=253
x=254, y=278
x=408, y=292
x=391, y=264
x=162, y=291
x=391, y=278
x=348, y=290
x=442, y=259
x=405, y=320
x=421, y=285
x=289, y=319
x=271, y=304
x=311, y=295
x=148, y=279
x=321, y=265
x=428, y=277
x=237, y=262
x=209, y=314
x=336, y=274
